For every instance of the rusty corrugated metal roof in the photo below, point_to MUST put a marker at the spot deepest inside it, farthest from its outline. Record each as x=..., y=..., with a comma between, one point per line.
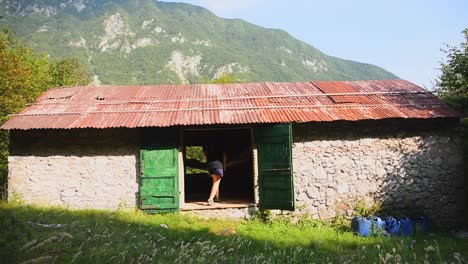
x=208, y=104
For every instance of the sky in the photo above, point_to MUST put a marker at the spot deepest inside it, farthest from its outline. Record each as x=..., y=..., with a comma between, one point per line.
x=404, y=37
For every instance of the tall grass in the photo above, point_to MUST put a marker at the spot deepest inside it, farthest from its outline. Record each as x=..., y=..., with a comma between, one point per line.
x=56, y=235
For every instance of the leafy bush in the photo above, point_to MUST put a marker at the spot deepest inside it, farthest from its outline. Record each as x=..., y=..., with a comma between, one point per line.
x=365, y=209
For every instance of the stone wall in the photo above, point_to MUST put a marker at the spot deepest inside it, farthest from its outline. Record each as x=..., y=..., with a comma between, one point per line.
x=411, y=167
x=87, y=168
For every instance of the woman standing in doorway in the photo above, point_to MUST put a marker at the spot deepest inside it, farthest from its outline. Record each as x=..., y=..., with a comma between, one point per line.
x=216, y=165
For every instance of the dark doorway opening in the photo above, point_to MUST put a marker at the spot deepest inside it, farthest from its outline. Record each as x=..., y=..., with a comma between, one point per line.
x=237, y=185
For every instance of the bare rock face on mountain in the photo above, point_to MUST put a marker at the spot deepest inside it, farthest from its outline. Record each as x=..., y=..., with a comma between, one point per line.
x=151, y=42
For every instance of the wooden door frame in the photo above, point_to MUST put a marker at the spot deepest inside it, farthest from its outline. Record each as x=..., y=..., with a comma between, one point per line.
x=251, y=130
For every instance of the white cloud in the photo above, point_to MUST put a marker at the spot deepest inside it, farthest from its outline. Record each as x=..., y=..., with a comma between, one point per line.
x=225, y=6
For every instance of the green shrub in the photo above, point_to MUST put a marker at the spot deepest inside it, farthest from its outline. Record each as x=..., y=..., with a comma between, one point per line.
x=365, y=209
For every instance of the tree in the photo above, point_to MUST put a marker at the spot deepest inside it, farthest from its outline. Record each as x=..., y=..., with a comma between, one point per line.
x=225, y=78
x=24, y=75
x=452, y=85
x=68, y=71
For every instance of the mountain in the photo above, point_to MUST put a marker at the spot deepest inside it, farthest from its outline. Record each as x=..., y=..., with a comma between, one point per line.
x=153, y=42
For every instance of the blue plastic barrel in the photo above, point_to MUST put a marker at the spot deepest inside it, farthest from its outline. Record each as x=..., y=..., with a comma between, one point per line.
x=407, y=226
x=361, y=226
x=378, y=225
x=392, y=226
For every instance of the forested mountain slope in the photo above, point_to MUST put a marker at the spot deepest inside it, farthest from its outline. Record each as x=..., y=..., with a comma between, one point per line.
x=153, y=42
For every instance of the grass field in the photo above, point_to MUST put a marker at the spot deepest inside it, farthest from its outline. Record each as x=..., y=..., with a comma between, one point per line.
x=55, y=235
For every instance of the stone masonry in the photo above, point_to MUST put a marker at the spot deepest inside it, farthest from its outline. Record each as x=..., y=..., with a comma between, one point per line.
x=74, y=168
x=412, y=168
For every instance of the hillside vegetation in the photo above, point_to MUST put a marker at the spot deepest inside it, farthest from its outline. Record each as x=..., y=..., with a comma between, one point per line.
x=153, y=42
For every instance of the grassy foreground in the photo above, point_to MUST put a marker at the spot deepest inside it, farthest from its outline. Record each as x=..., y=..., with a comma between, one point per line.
x=54, y=235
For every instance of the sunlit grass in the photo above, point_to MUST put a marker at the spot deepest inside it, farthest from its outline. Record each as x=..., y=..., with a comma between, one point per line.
x=46, y=235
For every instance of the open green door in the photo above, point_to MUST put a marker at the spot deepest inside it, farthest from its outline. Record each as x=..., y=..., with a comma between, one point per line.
x=159, y=188
x=275, y=167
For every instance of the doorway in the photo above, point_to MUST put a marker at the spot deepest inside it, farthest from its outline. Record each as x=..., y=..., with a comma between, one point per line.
x=237, y=185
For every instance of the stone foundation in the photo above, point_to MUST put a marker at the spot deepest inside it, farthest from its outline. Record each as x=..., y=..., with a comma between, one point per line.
x=413, y=169
x=225, y=213
x=75, y=168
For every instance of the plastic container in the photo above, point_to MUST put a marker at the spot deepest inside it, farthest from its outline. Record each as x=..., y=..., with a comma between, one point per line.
x=392, y=226
x=407, y=227
x=361, y=226
x=377, y=226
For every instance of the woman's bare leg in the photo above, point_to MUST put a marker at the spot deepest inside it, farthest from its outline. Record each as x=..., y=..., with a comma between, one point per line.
x=215, y=186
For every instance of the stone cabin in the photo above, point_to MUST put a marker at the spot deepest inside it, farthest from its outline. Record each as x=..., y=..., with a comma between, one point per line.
x=314, y=148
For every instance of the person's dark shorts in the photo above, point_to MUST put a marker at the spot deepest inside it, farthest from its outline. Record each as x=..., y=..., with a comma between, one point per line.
x=218, y=172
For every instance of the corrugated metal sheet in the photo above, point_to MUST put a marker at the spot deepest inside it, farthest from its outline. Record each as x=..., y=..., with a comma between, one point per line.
x=173, y=105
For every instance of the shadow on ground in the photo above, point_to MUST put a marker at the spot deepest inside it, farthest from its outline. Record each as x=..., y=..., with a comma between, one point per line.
x=90, y=236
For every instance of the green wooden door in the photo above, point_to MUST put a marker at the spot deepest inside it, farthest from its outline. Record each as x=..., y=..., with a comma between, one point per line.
x=159, y=188
x=275, y=167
